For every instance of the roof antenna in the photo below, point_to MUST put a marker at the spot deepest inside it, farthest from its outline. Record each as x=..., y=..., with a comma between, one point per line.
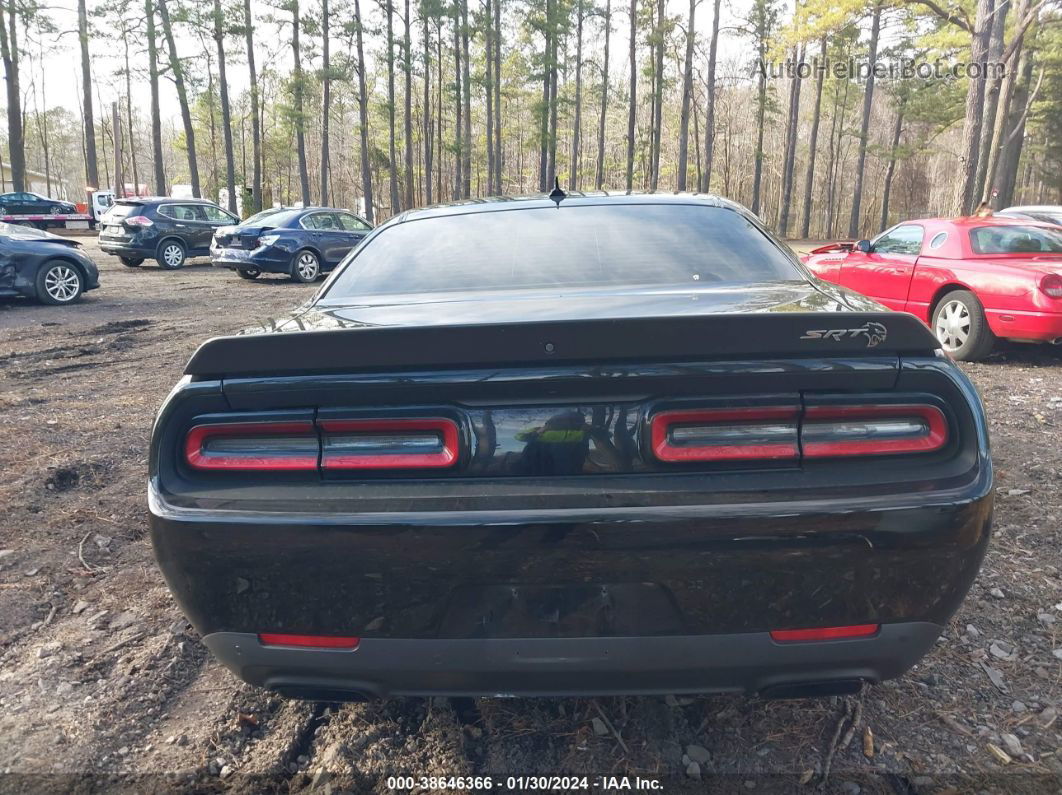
x=557, y=194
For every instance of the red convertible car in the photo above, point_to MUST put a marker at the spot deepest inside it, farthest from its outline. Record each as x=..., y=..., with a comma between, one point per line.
x=972, y=280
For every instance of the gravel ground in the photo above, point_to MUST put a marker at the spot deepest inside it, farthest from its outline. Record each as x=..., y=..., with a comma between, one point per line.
x=103, y=684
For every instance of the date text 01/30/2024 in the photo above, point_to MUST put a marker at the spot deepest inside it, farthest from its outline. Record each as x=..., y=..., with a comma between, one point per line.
x=510, y=783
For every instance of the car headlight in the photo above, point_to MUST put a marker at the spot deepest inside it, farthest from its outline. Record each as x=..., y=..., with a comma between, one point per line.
x=268, y=240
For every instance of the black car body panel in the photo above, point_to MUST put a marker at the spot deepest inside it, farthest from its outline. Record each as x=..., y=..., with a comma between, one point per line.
x=561, y=554
x=328, y=232
x=27, y=203
x=190, y=221
x=23, y=251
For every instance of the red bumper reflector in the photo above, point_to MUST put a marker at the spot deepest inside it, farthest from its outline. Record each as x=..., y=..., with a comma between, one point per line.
x=399, y=443
x=307, y=641
x=755, y=432
x=824, y=633
x=252, y=446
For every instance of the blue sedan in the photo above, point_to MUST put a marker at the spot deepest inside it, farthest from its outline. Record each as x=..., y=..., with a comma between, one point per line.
x=302, y=243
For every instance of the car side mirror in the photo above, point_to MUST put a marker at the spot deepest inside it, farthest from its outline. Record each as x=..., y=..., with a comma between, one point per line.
x=864, y=246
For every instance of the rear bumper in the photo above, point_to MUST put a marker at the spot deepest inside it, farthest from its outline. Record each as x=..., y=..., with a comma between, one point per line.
x=1028, y=326
x=745, y=662
x=128, y=248
x=268, y=259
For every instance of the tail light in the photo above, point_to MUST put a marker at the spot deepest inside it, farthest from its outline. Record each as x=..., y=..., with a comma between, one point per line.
x=829, y=431
x=780, y=433
x=308, y=641
x=138, y=220
x=824, y=633
x=253, y=446
x=1051, y=285
x=766, y=433
x=400, y=443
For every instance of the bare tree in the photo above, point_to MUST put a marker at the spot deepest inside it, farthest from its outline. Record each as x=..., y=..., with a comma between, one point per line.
x=298, y=92
x=177, y=71
x=226, y=113
x=256, y=121
x=407, y=68
x=326, y=98
x=813, y=138
x=573, y=177
x=92, y=173
x=632, y=111
x=600, y=181
x=363, y=116
x=153, y=80
x=864, y=126
x=9, y=50
x=687, y=98
x=709, y=107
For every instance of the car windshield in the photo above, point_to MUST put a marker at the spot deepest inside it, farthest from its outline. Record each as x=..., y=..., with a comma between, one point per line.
x=272, y=218
x=123, y=210
x=1015, y=240
x=574, y=246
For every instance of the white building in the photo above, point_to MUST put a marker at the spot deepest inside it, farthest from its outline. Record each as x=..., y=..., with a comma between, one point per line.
x=37, y=182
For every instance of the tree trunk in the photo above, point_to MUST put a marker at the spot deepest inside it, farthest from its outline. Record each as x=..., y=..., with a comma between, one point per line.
x=427, y=118
x=658, y=104
x=256, y=121
x=459, y=108
x=890, y=171
x=1001, y=124
x=396, y=201
x=128, y=119
x=182, y=98
x=864, y=128
x=709, y=108
x=813, y=140
x=16, y=141
x=992, y=92
x=326, y=100
x=499, y=160
x=408, y=110
x=488, y=71
x=226, y=114
x=577, y=122
x=687, y=100
x=299, y=109
x=975, y=101
x=761, y=114
x=467, y=89
x=1011, y=145
x=632, y=112
x=543, y=147
x=153, y=80
x=92, y=172
x=789, y=163
x=600, y=180
x=363, y=116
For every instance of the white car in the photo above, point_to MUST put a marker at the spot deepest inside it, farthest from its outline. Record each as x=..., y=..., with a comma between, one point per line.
x=1046, y=213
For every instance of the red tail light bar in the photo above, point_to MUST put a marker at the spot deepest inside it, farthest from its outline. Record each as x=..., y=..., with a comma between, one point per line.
x=726, y=434
x=773, y=433
x=403, y=443
x=253, y=446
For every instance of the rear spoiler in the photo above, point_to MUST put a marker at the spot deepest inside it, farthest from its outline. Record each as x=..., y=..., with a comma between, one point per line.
x=830, y=248
x=600, y=341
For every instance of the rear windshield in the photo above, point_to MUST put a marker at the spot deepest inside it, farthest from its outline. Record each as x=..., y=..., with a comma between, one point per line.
x=258, y=218
x=272, y=218
x=574, y=246
x=123, y=210
x=1015, y=240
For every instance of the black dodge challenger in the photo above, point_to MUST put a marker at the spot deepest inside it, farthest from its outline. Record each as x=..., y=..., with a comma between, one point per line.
x=585, y=444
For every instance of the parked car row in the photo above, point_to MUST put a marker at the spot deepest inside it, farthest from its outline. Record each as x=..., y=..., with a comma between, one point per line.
x=302, y=243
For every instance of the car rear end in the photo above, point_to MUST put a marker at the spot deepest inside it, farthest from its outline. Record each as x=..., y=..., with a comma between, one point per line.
x=253, y=245
x=788, y=501
x=129, y=229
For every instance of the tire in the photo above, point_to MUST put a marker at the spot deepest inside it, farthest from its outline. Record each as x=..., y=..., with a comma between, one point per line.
x=59, y=282
x=248, y=273
x=170, y=254
x=305, y=267
x=131, y=262
x=960, y=325
x=54, y=210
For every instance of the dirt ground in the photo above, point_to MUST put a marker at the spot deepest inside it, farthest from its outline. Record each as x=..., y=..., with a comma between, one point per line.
x=103, y=685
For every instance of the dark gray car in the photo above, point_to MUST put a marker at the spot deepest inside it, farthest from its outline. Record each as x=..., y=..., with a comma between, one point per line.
x=40, y=265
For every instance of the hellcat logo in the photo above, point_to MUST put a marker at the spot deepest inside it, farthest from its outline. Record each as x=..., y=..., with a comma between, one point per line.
x=874, y=332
